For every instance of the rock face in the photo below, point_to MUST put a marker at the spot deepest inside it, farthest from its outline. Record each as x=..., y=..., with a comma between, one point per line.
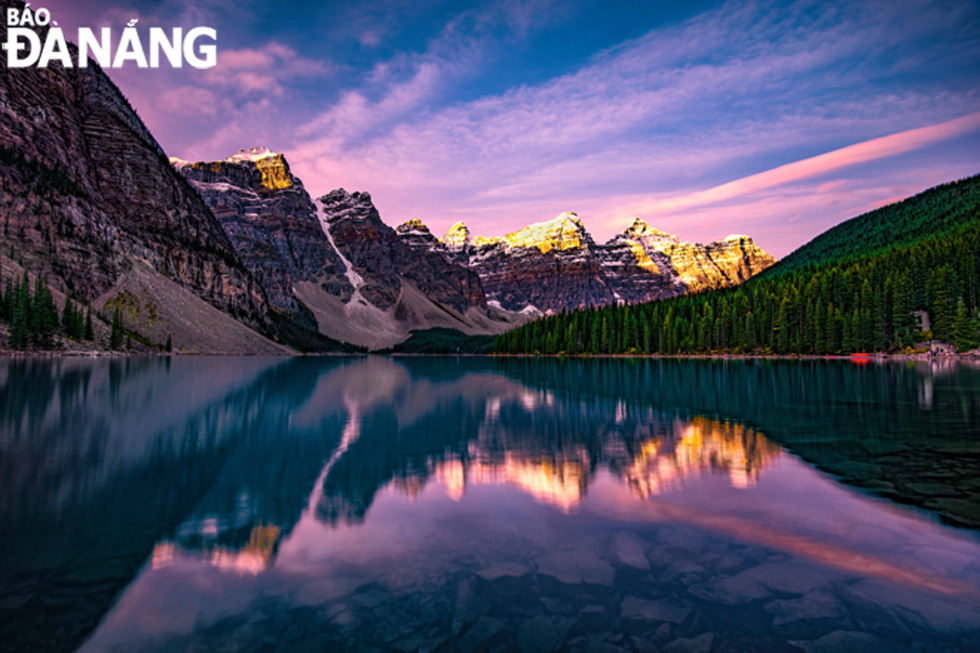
x=86, y=193
x=272, y=224
x=546, y=266
x=333, y=264
x=555, y=265
x=643, y=263
x=385, y=258
x=404, y=279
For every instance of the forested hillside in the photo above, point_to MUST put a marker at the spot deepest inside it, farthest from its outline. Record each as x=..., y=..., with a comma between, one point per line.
x=853, y=289
x=934, y=211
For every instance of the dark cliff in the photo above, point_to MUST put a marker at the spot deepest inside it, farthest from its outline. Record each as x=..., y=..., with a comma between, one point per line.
x=383, y=259
x=272, y=224
x=86, y=193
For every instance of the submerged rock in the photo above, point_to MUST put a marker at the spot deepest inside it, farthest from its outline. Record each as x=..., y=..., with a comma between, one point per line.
x=789, y=577
x=629, y=551
x=483, y=633
x=808, y=616
x=733, y=590
x=841, y=641
x=502, y=570
x=544, y=633
x=637, y=609
x=699, y=644
x=470, y=605
x=573, y=567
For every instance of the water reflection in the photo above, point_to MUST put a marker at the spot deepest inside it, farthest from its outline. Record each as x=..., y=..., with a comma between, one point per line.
x=477, y=503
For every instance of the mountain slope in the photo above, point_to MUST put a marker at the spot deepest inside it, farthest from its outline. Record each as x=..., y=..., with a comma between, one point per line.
x=272, y=224
x=902, y=223
x=398, y=289
x=88, y=196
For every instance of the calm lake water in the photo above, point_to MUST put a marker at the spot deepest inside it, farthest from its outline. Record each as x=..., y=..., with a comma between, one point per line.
x=437, y=504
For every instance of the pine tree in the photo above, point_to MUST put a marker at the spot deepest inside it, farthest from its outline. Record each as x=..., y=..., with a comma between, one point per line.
x=66, y=318
x=783, y=328
x=943, y=312
x=965, y=335
x=832, y=338
x=116, y=334
x=847, y=338
x=89, y=328
x=170, y=345
x=880, y=335
x=20, y=327
x=903, y=320
x=9, y=299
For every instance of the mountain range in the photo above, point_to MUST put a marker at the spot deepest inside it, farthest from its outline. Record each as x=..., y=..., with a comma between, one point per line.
x=236, y=256
x=334, y=264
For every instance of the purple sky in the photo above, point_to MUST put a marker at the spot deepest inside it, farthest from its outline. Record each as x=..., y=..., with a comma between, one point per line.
x=774, y=119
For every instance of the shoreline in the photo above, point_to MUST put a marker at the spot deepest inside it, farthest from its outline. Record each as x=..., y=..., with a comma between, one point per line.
x=972, y=355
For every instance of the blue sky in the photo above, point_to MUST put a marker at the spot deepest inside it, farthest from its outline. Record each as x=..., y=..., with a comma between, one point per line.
x=775, y=119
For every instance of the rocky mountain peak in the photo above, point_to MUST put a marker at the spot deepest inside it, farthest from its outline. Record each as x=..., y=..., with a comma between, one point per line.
x=339, y=205
x=273, y=225
x=271, y=165
x=255, y=168
x=416, y=235
x=252, y=154
x=563, y=233
x=413, y=226
x=640, y=230
x=457, y=238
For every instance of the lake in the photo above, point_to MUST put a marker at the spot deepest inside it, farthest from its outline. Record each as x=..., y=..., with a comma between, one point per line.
x=437, y=504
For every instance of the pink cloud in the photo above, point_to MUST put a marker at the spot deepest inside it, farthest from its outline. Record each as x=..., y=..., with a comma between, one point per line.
x=264, y=70
x=189, y=100
x=822, y=164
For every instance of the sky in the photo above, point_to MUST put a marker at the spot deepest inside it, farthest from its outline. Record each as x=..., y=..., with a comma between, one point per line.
x=771, y=118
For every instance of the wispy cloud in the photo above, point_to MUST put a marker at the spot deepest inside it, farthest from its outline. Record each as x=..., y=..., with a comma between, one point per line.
x=663, y=116
x=783, y=97
x=822, y=164
x=262, y=70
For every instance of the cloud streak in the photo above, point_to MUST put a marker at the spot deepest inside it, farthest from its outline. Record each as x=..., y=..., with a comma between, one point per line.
x=822, y=164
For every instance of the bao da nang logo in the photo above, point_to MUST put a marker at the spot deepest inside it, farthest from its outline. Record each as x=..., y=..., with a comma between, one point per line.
x=25, y=47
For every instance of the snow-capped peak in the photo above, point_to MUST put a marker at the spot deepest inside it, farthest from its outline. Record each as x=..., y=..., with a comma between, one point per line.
x=639, y=228
x=457, y=237
x=251, y=154
x=561, y=233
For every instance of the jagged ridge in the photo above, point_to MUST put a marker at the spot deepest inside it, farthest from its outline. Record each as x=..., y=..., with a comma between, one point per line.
x=556, y=265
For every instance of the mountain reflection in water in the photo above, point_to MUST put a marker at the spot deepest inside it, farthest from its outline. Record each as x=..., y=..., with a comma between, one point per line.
x=471, y=504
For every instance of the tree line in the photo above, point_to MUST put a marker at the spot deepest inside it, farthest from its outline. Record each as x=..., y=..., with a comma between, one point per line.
x=861, y=304
x=35, y=320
